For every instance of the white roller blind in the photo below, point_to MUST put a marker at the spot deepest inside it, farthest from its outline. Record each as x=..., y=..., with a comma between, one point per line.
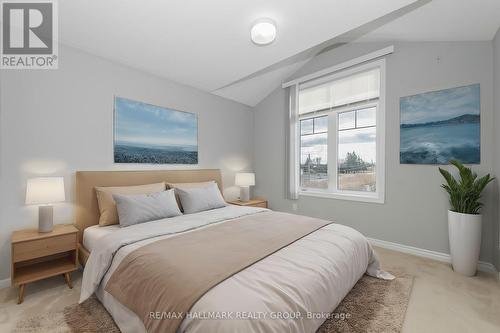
x=347, y=90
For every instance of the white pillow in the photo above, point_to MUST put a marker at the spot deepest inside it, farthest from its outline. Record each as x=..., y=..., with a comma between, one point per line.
x=198, y=199
x=140, y=208
x=188, y=185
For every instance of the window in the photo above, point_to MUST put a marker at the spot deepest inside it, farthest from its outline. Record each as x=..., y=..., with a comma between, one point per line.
x=340, y=130
x=313, y=152
x=357, y=149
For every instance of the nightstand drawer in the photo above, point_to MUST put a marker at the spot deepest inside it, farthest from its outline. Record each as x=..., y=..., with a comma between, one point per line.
x=261, y=204
x=43, y=247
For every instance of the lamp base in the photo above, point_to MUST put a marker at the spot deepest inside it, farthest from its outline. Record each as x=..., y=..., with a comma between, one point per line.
x=45, y=218
x=245, y=193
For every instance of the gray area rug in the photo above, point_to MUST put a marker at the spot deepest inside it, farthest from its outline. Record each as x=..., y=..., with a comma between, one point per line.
x=373, y=305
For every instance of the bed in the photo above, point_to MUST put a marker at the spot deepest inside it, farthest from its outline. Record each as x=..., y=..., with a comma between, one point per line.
x=293, y=288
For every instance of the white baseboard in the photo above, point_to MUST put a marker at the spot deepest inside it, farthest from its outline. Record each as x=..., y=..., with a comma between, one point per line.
x=488, y=267
x=4, y=283
x=439, y=256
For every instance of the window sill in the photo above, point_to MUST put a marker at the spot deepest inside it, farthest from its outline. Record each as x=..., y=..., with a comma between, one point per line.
x=379, y=199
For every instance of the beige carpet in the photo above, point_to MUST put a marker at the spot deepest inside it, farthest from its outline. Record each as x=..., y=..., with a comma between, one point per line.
x=372, y=306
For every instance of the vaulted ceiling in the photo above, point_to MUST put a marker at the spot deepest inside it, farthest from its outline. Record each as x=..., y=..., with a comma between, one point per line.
x=206, y=44
x=443, y=20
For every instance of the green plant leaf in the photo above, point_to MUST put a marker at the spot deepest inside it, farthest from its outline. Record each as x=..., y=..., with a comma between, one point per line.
x=465, y=192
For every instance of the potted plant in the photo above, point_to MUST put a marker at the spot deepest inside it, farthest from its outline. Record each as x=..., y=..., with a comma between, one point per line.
x=464, y=219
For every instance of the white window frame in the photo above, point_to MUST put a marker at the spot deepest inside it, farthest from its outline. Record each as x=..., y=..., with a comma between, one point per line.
x=374, y=197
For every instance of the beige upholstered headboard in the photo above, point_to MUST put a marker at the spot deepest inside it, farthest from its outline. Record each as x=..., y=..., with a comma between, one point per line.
x=87, y=210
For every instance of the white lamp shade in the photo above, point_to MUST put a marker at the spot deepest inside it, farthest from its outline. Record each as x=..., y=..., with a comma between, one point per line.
x=245, y=179
x=45, y=190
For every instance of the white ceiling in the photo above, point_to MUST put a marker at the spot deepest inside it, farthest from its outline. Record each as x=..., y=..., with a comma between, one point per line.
x=206, y=44
x=443, y=20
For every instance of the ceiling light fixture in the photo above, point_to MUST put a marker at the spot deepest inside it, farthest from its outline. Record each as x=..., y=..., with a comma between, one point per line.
x=263, y=31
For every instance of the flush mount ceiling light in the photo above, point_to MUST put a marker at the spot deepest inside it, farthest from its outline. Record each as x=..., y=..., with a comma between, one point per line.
x=263, y=32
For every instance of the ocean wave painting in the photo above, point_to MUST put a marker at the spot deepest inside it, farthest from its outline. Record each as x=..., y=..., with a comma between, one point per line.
x=146, y=133
x=440, y=126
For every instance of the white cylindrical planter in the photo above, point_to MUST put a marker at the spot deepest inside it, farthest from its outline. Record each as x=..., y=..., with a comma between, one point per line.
x=464, y=231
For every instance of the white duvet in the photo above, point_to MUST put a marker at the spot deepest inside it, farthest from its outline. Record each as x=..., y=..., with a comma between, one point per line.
x=292, y=290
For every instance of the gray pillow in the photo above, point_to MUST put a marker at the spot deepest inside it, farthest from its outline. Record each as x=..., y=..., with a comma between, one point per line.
x=198, y=199
x=140, y=208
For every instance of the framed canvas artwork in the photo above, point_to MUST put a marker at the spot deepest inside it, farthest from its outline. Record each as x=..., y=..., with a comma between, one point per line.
x=145, y=133
x=440, y=126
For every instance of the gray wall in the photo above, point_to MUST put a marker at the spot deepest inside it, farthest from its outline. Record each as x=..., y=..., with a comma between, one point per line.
x=415, y=210
x=496, y=152
x=57, y=122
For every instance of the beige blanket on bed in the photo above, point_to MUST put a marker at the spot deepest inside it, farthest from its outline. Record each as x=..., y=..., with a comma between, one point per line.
x=161, y=281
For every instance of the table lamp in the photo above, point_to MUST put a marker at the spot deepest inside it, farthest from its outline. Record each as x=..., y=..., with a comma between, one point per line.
x=43, y=192
x=244, y=181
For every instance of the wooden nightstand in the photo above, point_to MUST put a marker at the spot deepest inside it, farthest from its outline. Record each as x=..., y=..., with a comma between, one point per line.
x=37, y=256
x=252, y=202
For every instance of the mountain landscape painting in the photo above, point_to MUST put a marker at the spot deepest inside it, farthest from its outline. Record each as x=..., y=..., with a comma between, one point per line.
x=440, y=126
x=146, y=133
